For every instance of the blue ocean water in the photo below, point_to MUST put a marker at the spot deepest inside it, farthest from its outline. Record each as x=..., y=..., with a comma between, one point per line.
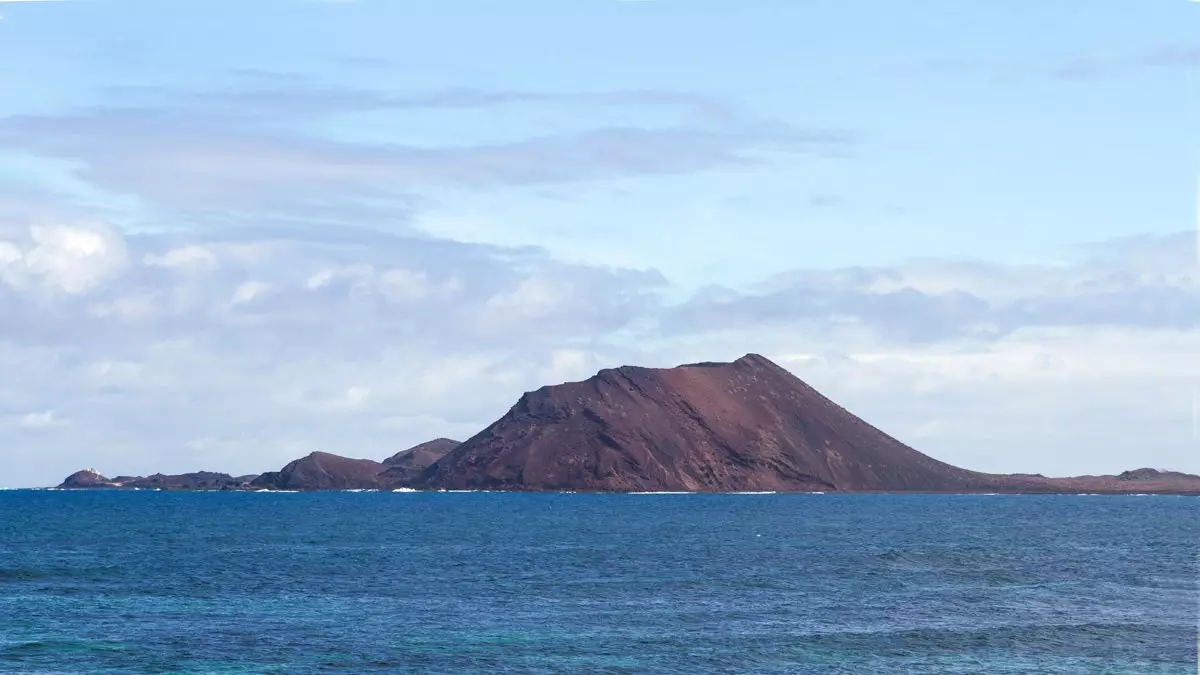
x=146, y=582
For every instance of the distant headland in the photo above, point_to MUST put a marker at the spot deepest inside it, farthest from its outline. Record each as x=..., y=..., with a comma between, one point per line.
x=749, y=425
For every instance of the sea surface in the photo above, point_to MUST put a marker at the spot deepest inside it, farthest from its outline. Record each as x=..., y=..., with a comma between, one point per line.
x=159, y=582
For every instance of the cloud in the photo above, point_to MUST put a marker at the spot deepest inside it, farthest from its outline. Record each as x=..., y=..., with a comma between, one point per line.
x=38, y=420
x=68, y=258
x=1179, y=56
x=252, y=150
x=1147, y=283
x=247, y=291
x=202, y=163
x=276, y=95
x=198, y=258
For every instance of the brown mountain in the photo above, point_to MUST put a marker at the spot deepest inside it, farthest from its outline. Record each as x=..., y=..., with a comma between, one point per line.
x=323, y=471
x=746, y=425
x=404, y=466
x=743, y=426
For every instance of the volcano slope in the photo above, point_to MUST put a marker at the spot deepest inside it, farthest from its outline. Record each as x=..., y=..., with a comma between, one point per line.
x=748, y=425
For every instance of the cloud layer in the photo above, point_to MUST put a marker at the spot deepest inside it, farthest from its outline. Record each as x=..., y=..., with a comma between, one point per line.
x=238, y=351
x=254, y=149
x=1147, y=283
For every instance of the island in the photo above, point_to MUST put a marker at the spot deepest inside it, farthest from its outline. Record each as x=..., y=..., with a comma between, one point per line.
x=743, y=426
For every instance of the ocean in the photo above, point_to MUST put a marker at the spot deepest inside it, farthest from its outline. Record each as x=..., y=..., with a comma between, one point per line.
x=161, y=582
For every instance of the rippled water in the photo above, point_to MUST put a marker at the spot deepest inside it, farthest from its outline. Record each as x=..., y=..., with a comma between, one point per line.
x=147, y=582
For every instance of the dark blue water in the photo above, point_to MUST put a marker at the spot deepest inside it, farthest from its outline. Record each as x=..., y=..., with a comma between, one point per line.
x=149, y=582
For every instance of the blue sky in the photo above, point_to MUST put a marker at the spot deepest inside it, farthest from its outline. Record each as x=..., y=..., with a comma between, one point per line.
x=877, y=195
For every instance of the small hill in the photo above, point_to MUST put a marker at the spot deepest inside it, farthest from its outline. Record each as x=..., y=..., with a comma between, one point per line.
x=322, y=471
x=1154, y=475
x=406, y=465
x=86, y=479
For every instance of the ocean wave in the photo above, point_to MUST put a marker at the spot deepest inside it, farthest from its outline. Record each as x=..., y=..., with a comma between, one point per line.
x=662, y=493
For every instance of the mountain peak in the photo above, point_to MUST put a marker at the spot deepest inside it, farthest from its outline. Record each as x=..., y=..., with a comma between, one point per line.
x=753, y=359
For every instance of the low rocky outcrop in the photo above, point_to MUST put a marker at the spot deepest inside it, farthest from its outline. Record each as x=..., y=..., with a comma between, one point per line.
x=1154, y=475
x=90, y=479
x=87, y=479
x=317, y=471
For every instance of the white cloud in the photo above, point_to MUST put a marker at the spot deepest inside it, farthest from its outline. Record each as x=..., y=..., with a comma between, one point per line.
x=38, y=420
x=10, y=254
x=140, y=305
x=355, y=396
x=69, y=258
x=532, y=299
x=196, y=258
x=401, y=285
x=247, y=292
x=1143, y=283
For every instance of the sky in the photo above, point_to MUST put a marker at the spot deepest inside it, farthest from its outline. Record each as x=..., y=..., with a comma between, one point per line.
x=232, y=233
